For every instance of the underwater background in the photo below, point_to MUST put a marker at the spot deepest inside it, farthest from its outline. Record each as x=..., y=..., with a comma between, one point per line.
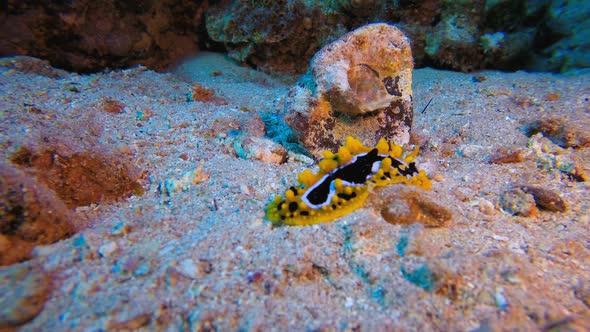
x=282, y=36
x=295, y=165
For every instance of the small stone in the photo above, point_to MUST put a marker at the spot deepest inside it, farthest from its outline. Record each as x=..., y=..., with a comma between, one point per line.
x=479, y=78
x=500, y=300
x=500, y=238
x=188, y=268
x=142, y=269
x=130, y=323
x=348, y=303
x=186, y=180
x=263, y=149
x=400, y=204
x=486, y=207
x=254, y=277
x=546, y=198
x=112, y=106
x=107, y=249
x=23, y=291
x=509, y=157
x=120, y=229
x=253, y=125
x=517, y=202
x=470, y=150
x=201, y=93
x=244, y=189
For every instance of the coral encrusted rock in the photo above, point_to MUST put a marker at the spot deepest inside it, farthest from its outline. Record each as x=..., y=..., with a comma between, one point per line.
x=360, y=85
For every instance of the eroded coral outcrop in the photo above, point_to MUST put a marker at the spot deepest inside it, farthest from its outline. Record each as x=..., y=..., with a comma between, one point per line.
x=359, y=85
x=468, y=35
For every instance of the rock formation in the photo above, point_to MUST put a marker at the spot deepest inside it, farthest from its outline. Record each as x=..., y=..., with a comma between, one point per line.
x=359, y=85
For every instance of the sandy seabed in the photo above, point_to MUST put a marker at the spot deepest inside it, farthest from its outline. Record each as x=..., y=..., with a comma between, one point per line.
x=192, y=251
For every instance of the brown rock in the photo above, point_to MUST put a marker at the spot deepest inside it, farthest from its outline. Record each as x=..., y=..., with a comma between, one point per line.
x=546, y=198
x=509, y=157
x=203, y=94
x=30, y=65
x=517, y=202
x=257, y=148
x=400, y=204
x=81, y=178
x=85, y=35
x=565, y=133
x=362, y=86
x=112, y=106
x=30, y=215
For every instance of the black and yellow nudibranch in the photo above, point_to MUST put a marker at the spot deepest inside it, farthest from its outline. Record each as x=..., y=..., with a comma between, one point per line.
x=343, y=182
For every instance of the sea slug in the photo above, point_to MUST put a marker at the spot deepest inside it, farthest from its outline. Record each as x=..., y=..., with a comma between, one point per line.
x=344, y=181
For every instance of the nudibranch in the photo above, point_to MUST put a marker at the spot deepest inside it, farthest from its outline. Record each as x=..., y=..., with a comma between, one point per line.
x=344, y=181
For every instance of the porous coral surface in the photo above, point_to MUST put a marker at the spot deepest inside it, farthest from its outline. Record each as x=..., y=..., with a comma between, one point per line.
x=203, y=257
x=360, y=85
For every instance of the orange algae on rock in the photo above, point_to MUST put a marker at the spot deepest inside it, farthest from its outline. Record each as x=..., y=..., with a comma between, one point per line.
x=344, y=181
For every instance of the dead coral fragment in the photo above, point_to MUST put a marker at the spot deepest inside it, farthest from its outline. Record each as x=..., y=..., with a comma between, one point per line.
x=550, y=156
x=519, y=203
x=560, y=132
x=509, y=157
x=203, y=94
x=184, y=182
x=200, y=93
x=405, y=205
x=524, y=201
x=112, y=106
x=257, y=148
x=546, y=198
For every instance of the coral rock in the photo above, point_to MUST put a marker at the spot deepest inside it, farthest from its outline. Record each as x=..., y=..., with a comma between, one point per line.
x=84, y=35
x=546, y=199
x=361, y=86
x=272, y=35
x=256, y=148
x=186, y=180
x=400, y=204
x=518, y=202
x=30, y=215
x=565, y=133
